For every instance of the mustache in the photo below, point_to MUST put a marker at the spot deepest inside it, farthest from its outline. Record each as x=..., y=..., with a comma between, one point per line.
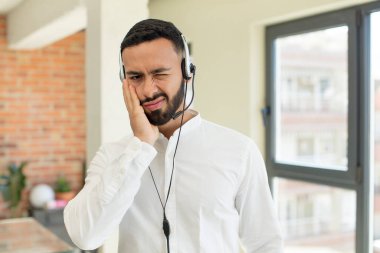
x=155, y=96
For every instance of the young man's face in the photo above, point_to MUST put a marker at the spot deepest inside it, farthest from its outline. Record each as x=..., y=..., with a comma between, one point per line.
x=154, y=69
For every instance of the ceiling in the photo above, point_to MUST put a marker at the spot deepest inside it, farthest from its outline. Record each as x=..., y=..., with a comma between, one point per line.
x=7, y=5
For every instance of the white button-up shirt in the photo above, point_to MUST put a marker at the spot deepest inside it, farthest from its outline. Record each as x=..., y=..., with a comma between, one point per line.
x=219, y=198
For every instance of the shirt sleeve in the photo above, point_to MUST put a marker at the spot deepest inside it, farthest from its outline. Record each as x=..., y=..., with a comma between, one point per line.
x=259, y=228
x=110, y=187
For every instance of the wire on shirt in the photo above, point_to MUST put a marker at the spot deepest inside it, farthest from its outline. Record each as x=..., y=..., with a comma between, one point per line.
x=165, y=222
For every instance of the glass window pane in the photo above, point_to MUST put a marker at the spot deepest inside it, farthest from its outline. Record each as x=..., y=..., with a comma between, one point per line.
x=375, y=81
x=312, y=98
x=316, y=218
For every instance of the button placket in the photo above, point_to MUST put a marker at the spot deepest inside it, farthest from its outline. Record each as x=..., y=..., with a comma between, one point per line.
x=168, y=166
x=170, y=206
x=171, y=213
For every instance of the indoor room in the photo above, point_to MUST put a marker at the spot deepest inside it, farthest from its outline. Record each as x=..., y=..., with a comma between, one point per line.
x=299, y=81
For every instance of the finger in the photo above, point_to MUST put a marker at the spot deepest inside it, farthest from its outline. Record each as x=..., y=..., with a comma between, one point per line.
x=127, y=95
x=135, y=100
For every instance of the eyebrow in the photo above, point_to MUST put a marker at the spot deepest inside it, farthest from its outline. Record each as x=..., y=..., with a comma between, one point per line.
x=159, y=70
x=133, y=73
x=154, y=71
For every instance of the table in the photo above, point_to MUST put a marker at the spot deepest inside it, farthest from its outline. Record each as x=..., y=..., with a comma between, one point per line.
x=26, y=235
x=52, y=219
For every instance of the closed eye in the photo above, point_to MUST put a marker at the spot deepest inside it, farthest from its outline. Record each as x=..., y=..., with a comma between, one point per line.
x=160, y=75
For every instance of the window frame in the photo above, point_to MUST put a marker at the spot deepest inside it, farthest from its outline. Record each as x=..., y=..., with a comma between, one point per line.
x=359, y=175
x=346, y=179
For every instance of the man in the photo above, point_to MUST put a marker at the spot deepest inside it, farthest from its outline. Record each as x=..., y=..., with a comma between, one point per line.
x=179, y=183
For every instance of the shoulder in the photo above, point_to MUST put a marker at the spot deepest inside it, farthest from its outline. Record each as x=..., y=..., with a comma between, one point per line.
x=228, y=141
x=233, y=147
x=225, y=134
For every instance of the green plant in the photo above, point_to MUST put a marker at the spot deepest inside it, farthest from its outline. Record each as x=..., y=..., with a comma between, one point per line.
x=12, y=185
x=62, y=184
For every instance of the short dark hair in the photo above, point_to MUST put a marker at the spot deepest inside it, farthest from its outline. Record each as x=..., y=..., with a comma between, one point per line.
x=151, y=29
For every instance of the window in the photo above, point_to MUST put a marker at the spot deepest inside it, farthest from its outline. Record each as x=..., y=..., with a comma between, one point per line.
x=316, y=218
x=323, y=136
x=309, y=104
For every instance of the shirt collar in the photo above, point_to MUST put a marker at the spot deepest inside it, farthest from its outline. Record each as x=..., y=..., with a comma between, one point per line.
x=186, y=127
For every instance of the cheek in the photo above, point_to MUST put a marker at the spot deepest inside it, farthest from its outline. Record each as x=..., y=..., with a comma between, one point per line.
x=175, y=84
x=168, y=86
x=139, y=94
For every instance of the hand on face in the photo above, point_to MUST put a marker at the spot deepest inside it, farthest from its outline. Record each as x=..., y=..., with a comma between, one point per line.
x=140, y=124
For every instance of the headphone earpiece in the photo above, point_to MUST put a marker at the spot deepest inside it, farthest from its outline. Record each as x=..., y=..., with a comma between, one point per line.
x=122, y=69
x=186, y=65
x=184, y=70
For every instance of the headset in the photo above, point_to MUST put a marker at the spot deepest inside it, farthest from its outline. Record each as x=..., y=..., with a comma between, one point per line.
x=187, y=67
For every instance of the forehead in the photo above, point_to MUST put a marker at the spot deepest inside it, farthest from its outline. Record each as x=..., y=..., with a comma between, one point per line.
x=153, y=53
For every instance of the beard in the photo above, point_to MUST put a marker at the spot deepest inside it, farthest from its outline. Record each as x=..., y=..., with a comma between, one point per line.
x=160, y=117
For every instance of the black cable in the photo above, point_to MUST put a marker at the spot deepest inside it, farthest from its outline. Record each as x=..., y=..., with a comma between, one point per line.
x=156, y=188
x=176, y=146
x=166, y=228
x=165, y=222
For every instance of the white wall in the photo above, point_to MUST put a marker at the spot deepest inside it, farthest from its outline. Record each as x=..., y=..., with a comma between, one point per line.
x=228, y=49
x=107, y=116
x=37, y=23
x=108, y=22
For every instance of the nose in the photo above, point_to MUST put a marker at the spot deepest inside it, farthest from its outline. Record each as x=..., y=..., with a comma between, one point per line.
x=149, y=87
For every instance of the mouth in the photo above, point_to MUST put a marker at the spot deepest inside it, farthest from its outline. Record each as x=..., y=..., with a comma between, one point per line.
x=154, y=105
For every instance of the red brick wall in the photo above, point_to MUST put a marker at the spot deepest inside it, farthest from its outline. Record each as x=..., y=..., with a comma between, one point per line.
x=42, y=110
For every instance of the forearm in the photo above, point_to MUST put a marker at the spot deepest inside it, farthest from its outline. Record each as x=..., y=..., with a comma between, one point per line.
x=94, y=214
